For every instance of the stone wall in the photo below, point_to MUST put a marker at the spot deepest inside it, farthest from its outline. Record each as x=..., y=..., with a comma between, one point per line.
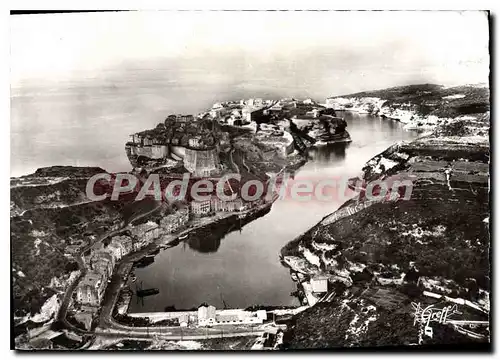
x=152, y=151
x=202, y=162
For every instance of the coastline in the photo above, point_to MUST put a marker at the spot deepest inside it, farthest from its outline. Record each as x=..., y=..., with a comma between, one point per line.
x=163, y=244
x=411, y=237
x=229, y=220
x=310, y=245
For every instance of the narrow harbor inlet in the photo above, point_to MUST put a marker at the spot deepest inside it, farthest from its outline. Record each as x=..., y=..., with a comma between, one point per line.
x=240, y=267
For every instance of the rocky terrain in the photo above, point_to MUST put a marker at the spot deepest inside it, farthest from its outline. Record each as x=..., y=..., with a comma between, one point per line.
x=51, y=219
x=236, y=136
x=378, y=255
x=324, y=129
x=418, y=106
x=438, y=240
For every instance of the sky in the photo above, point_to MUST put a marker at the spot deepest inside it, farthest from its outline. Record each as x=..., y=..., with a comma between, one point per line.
x=325, y=53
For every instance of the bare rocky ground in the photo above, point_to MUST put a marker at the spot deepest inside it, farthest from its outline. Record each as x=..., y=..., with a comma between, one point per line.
x=441, y=234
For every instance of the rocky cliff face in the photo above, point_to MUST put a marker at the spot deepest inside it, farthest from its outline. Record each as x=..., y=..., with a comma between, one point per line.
x=418, y=106
x=325, y=129
x=440, y=236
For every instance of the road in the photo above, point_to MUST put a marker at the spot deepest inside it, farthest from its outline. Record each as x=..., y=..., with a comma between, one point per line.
x=179, y=333
x=106, y=320
x=63, y=310
x=110, y=328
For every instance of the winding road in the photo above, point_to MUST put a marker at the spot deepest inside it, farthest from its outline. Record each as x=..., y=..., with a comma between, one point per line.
x=108, y=327
x=63, y=310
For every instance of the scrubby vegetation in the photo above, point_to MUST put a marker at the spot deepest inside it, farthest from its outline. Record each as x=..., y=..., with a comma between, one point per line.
x=431, y=99
x=440, y=233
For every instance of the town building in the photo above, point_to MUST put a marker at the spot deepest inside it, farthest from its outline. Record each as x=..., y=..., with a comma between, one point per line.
x=218, y=204
x=309, y=102
x=236, y=113
x=183, y=320
x=145, y=233
x=315, y=113
x=195, y=141
x=72, y=250
x=91, y=289
x=201, y=207
x=206, y=315
x=103, y=261
x=319, y=284
x=117, y=250
x=338, y=103
x=173, y=222
x=125, y=241
x=218, y=110
x=186, y=118
x=228, y=317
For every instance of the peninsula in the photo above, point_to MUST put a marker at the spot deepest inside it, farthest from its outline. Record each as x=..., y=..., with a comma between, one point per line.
x=73, y=258
x=69, y=250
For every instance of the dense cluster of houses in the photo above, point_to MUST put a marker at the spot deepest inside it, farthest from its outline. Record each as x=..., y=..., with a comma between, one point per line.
x=102, y=261
x=243, y=112
x=215, y=204
x=197, y=138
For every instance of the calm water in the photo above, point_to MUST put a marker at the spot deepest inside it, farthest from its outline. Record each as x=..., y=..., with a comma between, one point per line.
x=86, y=123
x=242, y=268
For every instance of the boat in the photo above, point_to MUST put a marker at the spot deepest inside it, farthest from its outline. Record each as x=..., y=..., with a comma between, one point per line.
x=182, y=237
x=147, y=292
x=133, y=278
x=145, y=261
x=153, y=254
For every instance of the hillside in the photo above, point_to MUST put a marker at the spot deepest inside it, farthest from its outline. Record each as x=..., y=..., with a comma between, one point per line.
x=51, y=219
x=421, y=106
x=438, y=240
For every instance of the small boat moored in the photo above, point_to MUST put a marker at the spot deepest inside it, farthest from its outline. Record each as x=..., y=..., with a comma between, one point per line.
x=147, y=292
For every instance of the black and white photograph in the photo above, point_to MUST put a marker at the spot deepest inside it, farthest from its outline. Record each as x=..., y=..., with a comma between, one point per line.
x=236, y=180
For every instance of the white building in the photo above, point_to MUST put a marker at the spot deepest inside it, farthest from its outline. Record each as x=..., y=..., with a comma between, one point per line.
x=201, y=207
x=103, y=262
x=206, y=315
x=319, y=284
x=309, y=101
x=145, y=233
x=116, y=250
x=183, y=320
x=91, y=289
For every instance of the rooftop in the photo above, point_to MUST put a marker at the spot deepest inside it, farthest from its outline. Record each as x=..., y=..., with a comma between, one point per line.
x=229, y=317
x=92, y=278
